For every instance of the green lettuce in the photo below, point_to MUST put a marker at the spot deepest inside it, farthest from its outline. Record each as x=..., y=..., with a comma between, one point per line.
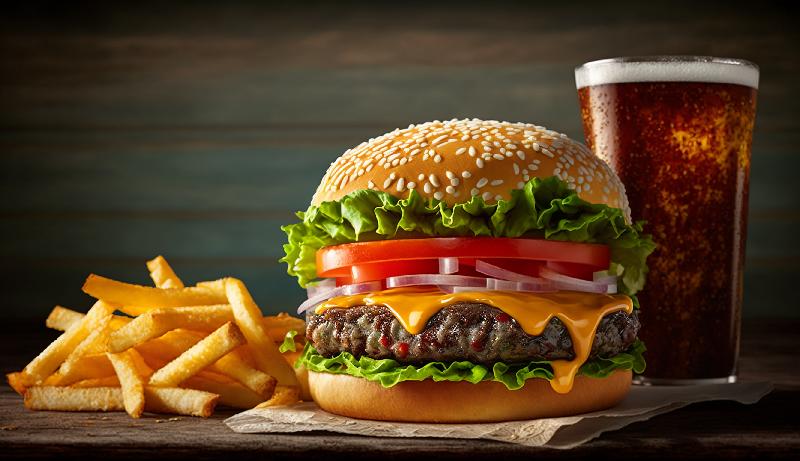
x=288, y=342
x=389, y=372
x=544, y=208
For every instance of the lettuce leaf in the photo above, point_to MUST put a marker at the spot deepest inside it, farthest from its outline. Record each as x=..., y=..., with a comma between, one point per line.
x=544, y=208
x=288, y=342
x=389, y=372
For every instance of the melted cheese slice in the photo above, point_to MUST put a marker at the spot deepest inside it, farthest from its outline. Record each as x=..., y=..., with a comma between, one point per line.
x=580, y=312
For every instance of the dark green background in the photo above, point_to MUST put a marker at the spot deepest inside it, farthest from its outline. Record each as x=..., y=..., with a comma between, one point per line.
x=195, y=130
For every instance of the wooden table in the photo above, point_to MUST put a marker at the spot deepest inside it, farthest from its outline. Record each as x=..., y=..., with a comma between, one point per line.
x=728, y=430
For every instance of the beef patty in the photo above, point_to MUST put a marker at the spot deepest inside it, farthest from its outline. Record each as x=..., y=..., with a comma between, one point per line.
x=464, y=331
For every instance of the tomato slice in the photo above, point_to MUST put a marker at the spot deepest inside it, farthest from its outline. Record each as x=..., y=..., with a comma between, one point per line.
x=365, y=261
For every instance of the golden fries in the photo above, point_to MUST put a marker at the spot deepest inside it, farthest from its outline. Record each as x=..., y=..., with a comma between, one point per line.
x=278, y=325
x=95, y=343
x=162, y=274
x=74, y=398
x=108, y=381
x=284, y=395
x=130, y=379
x=54, y=355
x=248, y=317
x=180, y=350
x=199, y=356
x=63, y=319
x=16, y=381
x=126, y=294
x=231, y=394
x=180, y=401
x=159, y=321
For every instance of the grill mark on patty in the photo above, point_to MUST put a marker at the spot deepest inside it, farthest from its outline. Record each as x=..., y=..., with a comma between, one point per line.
x=464, y=331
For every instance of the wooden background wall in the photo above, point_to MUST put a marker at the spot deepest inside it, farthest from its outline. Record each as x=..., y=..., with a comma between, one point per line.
x=195, y=130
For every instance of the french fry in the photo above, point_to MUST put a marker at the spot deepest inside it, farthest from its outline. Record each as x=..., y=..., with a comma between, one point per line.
x=16, y=381
x=253, y=379
x=130, y=379
x=74, y=398
x=108, y=381
x=180, y=401
x=167, y=347
x=87, y=367
x=54, y=355
x=95, y=343
x=63, y=319
x=231, y=394
x=162, y=274
x=126, y=294
x=213, y=285
x=159, y=321
x=250, y=321
x=199, y=356
x=278, y=325
x=284, y=395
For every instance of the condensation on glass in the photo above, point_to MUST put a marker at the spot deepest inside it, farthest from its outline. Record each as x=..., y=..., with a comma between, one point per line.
x=678, y=130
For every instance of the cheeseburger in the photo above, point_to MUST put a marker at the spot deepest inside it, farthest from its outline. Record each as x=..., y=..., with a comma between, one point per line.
x=469, y=271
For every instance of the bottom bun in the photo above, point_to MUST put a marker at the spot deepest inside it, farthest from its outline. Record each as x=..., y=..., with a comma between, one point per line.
x=463, y=402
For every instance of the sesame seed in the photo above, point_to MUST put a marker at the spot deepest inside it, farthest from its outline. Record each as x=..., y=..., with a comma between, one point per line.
x=449, y=174
x=427, y=188
x=498, y=156
x=486, y=196
x=401, y=184
x=411, y=185
x=414, y=152
x=387, y=183
x=498, y=197
x=479, y=162
x=393, y=176
x=465, y=137
x=465, y=174
x=438, y=195
x=482, y=182
x=474, y=191
x=454, y=181
x=516, y=169
x=547, y=153
x=496, y=144
x=461, y=150
x=403, y=160
x=520, y=185
x=472, y=151
x=371, y=184
x=395, y=162
x=421, y=177
x=511, y=146
x=536, y=146
x=438, y=158
x=496, y=182
x=521, y=155
x=439, y=139
x=487, y=148
x=434, y=180
x=450, y=189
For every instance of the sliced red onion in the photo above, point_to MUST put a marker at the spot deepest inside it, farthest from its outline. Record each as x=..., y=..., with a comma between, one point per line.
x=604, y=277
x=534, y=286
x=503, y=274
x=435, y=279
x=448, y=265
x=315, y=288
x=357, y=288
x=344, y=290
x=565, y=282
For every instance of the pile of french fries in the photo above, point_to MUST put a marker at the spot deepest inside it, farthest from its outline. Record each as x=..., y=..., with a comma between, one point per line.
x=177, y=350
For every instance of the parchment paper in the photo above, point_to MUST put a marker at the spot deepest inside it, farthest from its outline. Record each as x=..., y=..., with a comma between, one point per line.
x=642, y=403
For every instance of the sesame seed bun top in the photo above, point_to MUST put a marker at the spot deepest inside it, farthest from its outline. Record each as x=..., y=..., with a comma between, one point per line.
x=454, y=160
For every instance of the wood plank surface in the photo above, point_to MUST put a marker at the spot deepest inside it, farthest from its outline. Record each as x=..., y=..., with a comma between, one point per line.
x=196, y=129
x=712, y=430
